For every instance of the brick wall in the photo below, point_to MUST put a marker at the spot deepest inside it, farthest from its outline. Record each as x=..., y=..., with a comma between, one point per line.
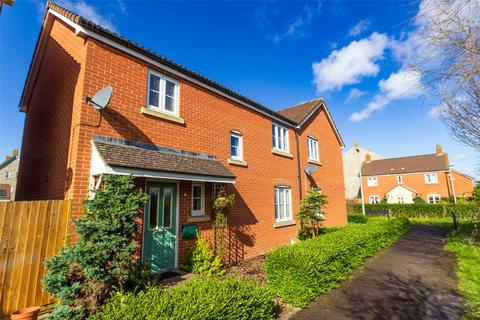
x=208, y=121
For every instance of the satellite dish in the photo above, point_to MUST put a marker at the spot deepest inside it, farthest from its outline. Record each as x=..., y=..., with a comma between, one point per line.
x=101, y=98
x=309, y=169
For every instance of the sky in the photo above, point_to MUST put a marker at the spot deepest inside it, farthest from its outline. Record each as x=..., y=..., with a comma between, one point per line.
x=354, y=54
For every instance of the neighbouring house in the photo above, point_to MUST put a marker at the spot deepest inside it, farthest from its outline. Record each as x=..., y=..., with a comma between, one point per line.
x=401, y=180
x=352, y=161
x=8, y=176
x=181, y=135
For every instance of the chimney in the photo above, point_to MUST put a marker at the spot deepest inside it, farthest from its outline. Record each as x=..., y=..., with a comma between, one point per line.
x=439, y=149
x=368, y=157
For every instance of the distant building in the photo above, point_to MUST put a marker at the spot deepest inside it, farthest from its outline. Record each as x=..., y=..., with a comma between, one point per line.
x=401, y=180
x=8, y=177
x=352, y=160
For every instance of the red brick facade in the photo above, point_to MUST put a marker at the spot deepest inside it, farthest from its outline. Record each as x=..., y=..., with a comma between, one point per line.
x=59, y=126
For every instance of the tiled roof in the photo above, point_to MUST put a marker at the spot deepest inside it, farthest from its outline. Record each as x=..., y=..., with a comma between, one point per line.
x=422, y=163
x=7, y=162
x=87, y=24
x=301, y=111
x=116, y=152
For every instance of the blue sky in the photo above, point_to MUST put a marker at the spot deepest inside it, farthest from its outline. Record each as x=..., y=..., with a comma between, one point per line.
x=354, y=54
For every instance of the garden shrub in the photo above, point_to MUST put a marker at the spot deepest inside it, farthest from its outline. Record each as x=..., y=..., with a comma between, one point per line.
x=419, y=200
x=299, y=273
x=357, y=218
x=423, y=210
x=84, y=274
x=203, y=298
x=203, y=261
x=311, y=214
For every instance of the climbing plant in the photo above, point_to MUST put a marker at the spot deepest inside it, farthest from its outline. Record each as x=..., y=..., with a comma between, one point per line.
x=222, y=205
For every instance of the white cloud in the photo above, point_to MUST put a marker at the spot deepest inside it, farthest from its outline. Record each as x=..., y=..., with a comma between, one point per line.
x=403, y=84
x=355, y=94
x=359, y=28
x=460, y=157
x=350, y=64
x=378, y=103
x=435, y=112
x=88, y=12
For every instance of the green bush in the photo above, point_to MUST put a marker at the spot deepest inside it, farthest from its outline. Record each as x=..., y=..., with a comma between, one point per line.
x=423, y=210
x=84, y=274
x=299, y=273
x=419, y=200
x=357, y=218
x=203, y=298
x=203, y=261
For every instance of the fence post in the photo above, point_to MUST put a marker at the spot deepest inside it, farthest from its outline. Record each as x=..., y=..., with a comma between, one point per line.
x=454, y=217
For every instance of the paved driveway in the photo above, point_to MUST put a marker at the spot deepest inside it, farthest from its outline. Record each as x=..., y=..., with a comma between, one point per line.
x=412, y=279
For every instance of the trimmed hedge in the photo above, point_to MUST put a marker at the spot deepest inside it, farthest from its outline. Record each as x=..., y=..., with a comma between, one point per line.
x=423, y=210
x=357, y=218
x=299, y=273
x=202, y=298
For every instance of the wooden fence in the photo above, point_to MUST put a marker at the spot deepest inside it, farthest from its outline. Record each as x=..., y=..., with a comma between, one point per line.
x=30, y=232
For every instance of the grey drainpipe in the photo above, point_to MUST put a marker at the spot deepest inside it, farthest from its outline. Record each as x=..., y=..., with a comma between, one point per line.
x=298, y=164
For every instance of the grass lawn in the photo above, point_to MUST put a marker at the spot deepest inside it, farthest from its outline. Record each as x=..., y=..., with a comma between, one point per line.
x=467, y=250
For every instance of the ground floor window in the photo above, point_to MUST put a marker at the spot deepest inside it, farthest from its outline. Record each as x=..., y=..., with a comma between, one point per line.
x=283, y=204
x=198, y=199
x=400, y=200
x=374, y=199
x=433, y=198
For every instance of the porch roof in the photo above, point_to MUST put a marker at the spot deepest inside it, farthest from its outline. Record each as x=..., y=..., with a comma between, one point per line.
x=118, y=156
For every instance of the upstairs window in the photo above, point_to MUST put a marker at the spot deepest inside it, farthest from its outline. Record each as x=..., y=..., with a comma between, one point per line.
x=431, y=178
x=8, y=175
x=236, y=146
x=399, y=180
x=374, y=199
x=283, y=207
x=162, y=93
x=280, y=138
x=312, y=148
x=433, y=198
x=372, y=181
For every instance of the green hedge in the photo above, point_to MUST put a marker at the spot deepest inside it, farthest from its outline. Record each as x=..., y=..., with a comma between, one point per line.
x=423, y=210
x=202, y=298
x=357, y=218
x=299, y=273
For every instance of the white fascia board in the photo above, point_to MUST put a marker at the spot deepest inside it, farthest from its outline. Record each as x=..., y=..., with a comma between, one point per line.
x=79, y=30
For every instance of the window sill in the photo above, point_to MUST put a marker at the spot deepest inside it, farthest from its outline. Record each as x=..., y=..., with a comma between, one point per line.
x=161, y=115
x=318, y=163
x=198, y=219
x=237, y=162
x=282, y=153
x=284, y=224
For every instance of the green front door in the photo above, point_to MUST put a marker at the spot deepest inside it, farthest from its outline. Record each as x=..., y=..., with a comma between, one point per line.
x=159, y=240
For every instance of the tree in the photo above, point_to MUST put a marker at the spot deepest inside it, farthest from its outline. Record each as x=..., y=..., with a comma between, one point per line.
x=448, y=58
x=84, y=274
x=476, y=193
x=312, y=213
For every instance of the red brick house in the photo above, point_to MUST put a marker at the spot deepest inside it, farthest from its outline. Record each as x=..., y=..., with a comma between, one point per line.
x=400, y=180
x=180, y=134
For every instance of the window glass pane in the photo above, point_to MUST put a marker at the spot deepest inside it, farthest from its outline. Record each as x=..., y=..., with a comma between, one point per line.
x=152, y=210
x=169, y=88
x=167, y=207
x=3, y=193
x=287, y=204
x=282, y=204
x=169, y=104
x=197, y=204
x=273, y=136
x=277, y=210
x=197, y=191
x=154, y=82
x=153, y=99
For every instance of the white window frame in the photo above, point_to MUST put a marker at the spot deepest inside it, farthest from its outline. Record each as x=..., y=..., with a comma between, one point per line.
x=400, y=200
x=374, y=199
x=8, y=175
x=288, y=208
x=372, y=181
x=428, y=176
x=280, y=141
x=201, y=212
x=239, y=136
x=312, y=144
x=399, y=180
x=434, y=197
x=162, y=94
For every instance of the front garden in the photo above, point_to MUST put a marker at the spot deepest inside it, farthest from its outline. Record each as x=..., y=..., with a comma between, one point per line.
x=99, y=277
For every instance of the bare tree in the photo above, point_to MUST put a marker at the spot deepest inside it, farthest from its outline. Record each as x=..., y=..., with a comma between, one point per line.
x=448, y=57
